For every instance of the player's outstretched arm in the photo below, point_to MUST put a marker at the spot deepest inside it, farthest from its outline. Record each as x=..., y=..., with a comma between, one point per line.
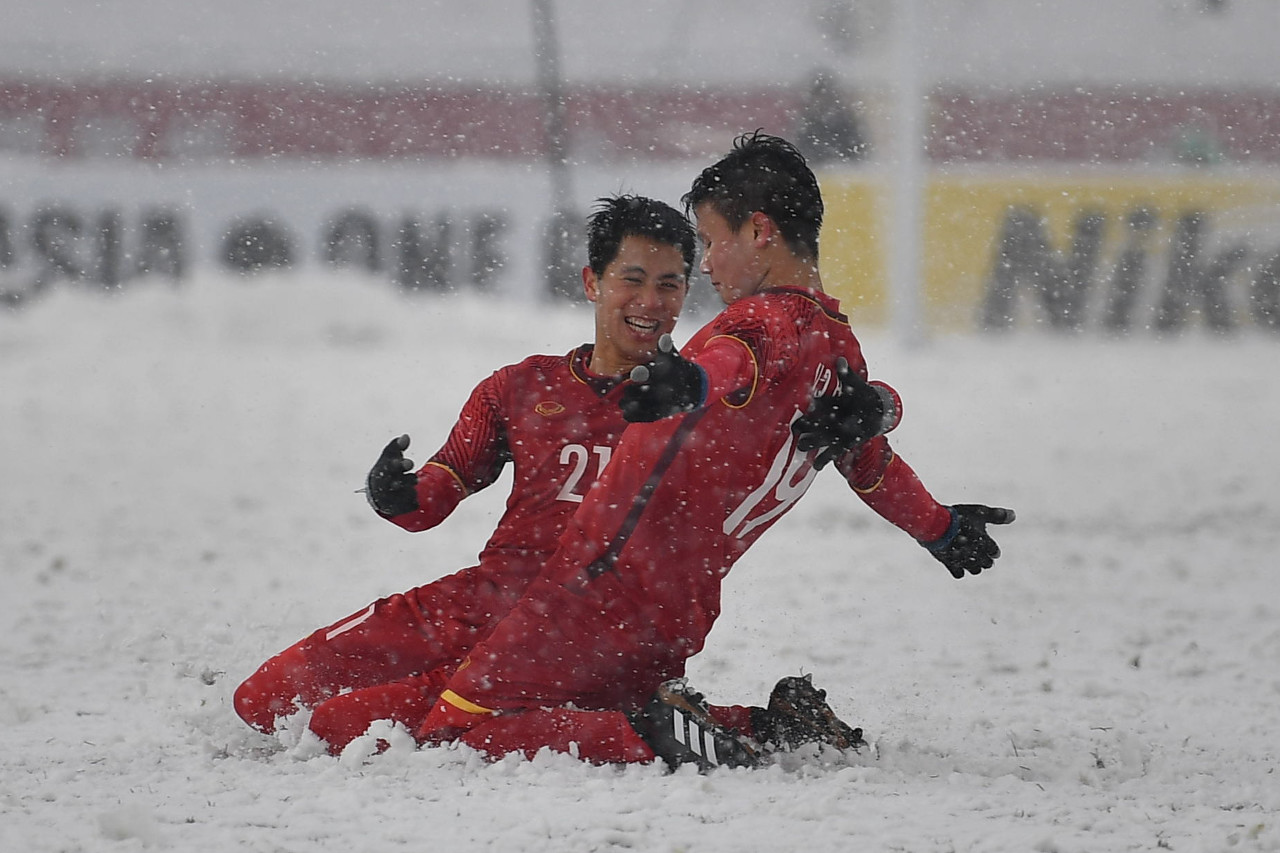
x=391, y=487
x=967, y=546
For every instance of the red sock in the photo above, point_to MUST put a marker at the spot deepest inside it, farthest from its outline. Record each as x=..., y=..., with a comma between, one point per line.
x=447, y=722
x=736, y=717
x=347, y=716
x=599, y=737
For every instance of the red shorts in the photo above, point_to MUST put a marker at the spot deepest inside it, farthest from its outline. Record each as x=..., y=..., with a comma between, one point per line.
x=424, y=629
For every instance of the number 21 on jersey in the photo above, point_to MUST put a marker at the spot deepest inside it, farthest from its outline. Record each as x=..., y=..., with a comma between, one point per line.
x=580, y=458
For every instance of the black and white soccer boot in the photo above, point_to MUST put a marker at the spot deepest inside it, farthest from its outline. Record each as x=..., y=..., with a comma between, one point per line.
x=680, y=730
x=798, y=714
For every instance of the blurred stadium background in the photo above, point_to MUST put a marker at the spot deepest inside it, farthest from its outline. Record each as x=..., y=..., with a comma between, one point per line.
x=988, y=164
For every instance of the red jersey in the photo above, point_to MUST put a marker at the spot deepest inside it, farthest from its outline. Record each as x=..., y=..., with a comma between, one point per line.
x=554, y=421
x=707, y=484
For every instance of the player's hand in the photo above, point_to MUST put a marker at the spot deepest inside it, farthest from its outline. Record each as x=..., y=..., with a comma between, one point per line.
x=391, y=487
x=665, y=386
x=839, y=422
x=966, y=546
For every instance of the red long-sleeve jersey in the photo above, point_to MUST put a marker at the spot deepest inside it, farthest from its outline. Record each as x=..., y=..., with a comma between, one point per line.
x=554, y=421
x=709, y=483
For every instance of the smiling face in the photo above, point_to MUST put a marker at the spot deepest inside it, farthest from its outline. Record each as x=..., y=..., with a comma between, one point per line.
x=638, y=298
x=733, y=258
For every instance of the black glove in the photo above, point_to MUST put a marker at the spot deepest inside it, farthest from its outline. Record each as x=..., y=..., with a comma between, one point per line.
x=966, y=546
x=665, y=386
x=839, y=422
x=391, y=487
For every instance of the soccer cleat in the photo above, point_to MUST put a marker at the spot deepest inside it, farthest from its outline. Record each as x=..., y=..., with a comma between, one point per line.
x=798, y=714
x=680, y=730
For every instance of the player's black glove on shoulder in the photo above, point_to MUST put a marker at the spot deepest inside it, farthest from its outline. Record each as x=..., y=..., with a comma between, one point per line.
x=839, y=422
x=966, y=546
x=667, y=385
x=391, y=487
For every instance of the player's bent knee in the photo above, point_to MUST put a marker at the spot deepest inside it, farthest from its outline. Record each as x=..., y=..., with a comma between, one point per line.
x=254, y=706
x=272, y=691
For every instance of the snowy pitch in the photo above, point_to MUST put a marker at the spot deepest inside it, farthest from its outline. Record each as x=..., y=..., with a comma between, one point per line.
x=178, y=503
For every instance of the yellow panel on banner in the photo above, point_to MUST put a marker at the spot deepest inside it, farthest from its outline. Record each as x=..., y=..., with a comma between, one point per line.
x=971, y=228
x=854, y=247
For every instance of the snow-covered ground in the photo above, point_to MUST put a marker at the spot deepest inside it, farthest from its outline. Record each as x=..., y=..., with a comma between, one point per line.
x=178, y=471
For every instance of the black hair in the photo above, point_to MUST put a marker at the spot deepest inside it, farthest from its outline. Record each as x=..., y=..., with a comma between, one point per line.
x=621, y=216
x=767, y=174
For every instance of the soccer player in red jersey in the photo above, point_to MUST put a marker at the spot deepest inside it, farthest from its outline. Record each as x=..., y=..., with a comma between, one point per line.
x=556, y=420
x=725, y=438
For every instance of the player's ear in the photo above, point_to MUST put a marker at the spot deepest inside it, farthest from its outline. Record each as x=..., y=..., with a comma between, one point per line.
x=762, y=229
x=590, y=285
